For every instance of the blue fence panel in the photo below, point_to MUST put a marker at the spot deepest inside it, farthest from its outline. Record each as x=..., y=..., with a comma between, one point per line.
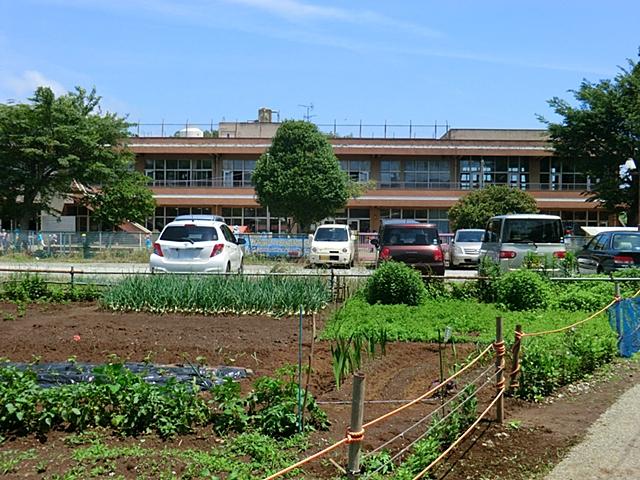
x=624, y=319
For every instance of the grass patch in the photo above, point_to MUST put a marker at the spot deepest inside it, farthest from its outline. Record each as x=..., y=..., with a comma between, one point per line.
x=10, y=460
x=245, y=456
x=469, y=321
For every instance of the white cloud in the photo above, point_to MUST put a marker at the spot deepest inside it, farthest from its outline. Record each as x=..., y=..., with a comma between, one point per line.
x=298, y=10
x=26, y=83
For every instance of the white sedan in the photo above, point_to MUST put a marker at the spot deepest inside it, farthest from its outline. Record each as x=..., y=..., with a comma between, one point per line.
x=196, y=244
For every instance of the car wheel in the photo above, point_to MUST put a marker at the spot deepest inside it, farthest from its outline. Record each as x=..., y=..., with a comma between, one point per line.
x=600, y=269
x=228, y=270
x=241, y=267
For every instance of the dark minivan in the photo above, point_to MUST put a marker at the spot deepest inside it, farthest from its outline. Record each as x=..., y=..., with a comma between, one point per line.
x=411, y=242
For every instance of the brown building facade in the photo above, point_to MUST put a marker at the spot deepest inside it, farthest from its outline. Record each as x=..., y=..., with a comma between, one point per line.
x=413, y=178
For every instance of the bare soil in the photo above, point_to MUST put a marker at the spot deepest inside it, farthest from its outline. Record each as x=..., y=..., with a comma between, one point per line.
x=531, y=440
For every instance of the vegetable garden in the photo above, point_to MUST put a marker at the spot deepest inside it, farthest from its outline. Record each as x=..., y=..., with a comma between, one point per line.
x=252, y=428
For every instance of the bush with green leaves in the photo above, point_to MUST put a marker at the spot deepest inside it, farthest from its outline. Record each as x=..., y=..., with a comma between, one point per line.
x=582, y=296
x=523, y=290
x=489, y=272
x=27, y=287
x=551, y=361
x=395, y=283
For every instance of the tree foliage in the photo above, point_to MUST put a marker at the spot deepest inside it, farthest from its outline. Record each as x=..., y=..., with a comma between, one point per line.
x=300, y=177
x=474, y=210
x=600, y=134
x=51, y=146
x=126, y=199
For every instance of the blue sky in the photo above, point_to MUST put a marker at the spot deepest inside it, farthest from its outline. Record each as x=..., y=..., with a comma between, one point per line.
x=473, y=64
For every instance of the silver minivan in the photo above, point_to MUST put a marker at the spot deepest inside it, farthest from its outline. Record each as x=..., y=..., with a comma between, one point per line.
x=509, y=239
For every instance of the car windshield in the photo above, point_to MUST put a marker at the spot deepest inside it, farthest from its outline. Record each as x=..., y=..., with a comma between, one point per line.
x=469, y=236
x=535, y=230
x=189, y=233
x=331, y=235
x=410, y=236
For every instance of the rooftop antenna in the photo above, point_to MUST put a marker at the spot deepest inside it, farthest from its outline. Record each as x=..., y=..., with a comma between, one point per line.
x=309, y=108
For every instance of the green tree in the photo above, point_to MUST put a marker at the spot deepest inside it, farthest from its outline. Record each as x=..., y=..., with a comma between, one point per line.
x=600, y=133
x=300, y=177
x=50, y=146
x=474, y=210
x=126, y=199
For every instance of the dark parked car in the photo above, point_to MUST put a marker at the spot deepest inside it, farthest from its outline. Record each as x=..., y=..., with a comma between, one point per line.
x=414, y=243
x=610, y=251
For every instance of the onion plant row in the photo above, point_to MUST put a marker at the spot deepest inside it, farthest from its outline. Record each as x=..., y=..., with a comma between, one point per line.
x=209, y=295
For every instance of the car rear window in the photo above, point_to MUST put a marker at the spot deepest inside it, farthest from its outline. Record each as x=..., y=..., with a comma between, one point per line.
x=468, y=236
x=331, y=235
x=189, y=233
x=410, y=236
x=537, y=230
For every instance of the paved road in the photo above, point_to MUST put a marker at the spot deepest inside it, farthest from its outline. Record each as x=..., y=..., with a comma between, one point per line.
x=610, y=450
x=124, y=268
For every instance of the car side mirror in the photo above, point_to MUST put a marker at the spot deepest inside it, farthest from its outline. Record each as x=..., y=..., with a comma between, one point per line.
x=311, y=237
x=241, y=241
x=375, y=242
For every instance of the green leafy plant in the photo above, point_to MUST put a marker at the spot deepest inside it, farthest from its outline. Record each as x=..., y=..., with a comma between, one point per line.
x=395, y=283
x=523, y=290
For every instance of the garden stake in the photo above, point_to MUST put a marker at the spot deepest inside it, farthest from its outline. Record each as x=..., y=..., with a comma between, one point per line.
x=515, y=359
x=355, y=432
x=309, y=366
x=499, y=348
x=300, y=374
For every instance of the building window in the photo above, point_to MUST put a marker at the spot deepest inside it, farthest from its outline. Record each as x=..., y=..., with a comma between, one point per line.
x=477, y=172
x=237, y=173
x=358, y=219
x=574, y=219
x=164, y=215
x=556, y=174
x=439, y=216
x=179, y=173
x=429, y=173
x=358, y=170
x=390, y=174
x=257, y=220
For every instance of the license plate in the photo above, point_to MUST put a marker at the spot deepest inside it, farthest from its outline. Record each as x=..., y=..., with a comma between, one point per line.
x=324, y=257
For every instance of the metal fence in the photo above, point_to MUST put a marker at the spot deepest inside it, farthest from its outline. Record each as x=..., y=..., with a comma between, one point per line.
x=48, y=244
x=332, y=130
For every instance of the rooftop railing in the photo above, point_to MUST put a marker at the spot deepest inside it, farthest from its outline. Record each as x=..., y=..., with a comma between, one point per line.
x=332, y=130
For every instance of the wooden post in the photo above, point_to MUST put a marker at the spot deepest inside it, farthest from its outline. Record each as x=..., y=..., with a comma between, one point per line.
x=617, y=291
x=355, y=429
x=499, y=348
x=515, y=359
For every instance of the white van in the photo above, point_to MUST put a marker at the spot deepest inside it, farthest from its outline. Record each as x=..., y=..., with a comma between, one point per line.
x=333, y=244
x=508, y=239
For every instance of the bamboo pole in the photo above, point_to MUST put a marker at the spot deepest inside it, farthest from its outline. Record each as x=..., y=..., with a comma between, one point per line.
x=499, y=346
x=355, y=432
x=515, y=359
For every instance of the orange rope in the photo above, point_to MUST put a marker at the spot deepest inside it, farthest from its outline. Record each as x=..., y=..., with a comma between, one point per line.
x=535, y=334
x=635, y=294
x=352, y=437
x=462, y=437
x=307, y=460
x=429, y=393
